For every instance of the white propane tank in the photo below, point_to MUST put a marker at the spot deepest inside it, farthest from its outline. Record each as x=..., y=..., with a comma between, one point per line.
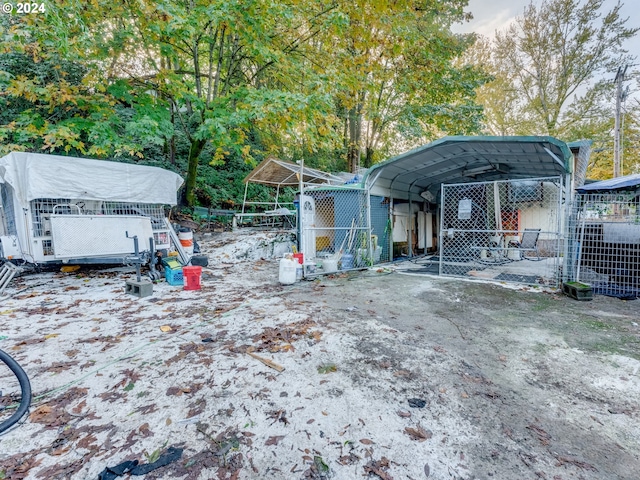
x=288, y=266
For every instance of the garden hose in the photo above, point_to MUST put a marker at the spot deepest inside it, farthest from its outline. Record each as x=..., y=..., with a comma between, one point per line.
x=25, y=387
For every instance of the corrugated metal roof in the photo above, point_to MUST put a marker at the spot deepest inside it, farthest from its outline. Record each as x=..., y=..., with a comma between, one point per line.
x=460, y=159
x=628, y=182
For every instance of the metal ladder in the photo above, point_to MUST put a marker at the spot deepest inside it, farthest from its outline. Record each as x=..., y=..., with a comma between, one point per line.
x=7, y=272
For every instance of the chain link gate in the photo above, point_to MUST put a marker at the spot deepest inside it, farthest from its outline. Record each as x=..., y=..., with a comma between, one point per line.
x=336, y=234
x=507, y=231
x=604, y=243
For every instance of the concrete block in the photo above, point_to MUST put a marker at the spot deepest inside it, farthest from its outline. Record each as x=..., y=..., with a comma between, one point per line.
x=577, y=290
x=143, y=288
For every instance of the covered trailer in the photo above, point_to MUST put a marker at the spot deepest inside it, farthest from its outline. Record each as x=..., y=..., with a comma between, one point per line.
x=56, y=209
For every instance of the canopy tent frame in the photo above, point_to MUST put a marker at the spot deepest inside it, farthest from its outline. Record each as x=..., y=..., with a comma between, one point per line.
x=277, y=173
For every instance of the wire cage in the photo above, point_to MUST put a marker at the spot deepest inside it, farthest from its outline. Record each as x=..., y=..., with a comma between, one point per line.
x=503, y=230
x=336, y=234
x=41, y=210
x=604, y=243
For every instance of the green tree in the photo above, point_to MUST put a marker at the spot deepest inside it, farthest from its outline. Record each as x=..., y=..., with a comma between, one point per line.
x=46, y=105
x=397, y=80
x=548, y=61
x=191, y=83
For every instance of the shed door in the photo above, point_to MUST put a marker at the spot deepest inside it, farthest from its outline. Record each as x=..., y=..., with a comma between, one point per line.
x=309, y=226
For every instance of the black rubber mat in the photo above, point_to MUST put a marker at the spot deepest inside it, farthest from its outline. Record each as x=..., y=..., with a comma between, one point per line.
x=434, y=269
x=623, y=293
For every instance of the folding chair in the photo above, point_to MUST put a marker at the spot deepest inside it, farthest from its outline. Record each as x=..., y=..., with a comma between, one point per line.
x=529, y=243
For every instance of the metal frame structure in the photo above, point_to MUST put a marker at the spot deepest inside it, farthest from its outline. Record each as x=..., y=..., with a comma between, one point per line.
x=489, y=230
x=604, y=237
x=277, y=173
x=71, y=209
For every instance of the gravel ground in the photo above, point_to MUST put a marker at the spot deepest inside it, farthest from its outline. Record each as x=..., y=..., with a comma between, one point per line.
x=377, y=374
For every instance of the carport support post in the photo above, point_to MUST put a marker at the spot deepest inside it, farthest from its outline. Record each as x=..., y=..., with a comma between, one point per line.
x=564, y=225
x=410, y=231
x=391, y=221
x=369, y=229
x=300, y=211
x=441, y=232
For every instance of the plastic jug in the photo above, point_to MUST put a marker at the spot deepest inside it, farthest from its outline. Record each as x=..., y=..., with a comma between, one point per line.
x=287, y=274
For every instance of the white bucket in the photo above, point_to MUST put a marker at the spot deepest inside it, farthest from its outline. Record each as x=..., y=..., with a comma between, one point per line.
x=329, y=265
x=287, y=273
x=513, y=254
x=186, y=240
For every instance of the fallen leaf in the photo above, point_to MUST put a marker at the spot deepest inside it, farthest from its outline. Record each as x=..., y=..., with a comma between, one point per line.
x=51, y=335
x=348, y=459
x=378, y=468
x=274, y=440
x=78, y=408
x=366, y=441
x=418, y=433
x=165, y=328
x=403, y=414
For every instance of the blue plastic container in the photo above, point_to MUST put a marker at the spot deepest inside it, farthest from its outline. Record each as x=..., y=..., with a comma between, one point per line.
x=174, y=276
x=347, y=261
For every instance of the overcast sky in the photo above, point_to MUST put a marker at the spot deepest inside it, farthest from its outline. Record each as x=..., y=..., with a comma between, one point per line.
x=492, y=15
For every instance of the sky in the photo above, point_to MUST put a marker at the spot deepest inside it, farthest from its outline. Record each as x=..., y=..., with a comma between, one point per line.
x=492, y=15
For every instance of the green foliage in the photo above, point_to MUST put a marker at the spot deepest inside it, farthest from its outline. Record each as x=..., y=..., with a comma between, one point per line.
x=210, y=87
x=545, y=64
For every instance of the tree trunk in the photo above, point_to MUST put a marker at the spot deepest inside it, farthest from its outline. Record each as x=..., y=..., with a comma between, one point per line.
x=172, y=140
x=353, y=147
x=368, y=157
x=192, y=171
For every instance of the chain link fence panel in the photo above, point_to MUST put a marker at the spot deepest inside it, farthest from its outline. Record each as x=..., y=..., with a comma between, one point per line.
x=336, y=235
x=508, y=231
x=604, y=243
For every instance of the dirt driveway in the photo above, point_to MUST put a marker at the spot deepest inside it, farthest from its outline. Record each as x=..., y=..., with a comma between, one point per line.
x=386, y=375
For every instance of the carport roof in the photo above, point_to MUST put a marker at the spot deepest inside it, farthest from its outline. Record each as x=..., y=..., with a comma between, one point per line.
x=628, y=182
x=461, y=159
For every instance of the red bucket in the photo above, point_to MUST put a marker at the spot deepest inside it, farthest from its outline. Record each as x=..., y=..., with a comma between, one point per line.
x=299, y=257
x=191, y=276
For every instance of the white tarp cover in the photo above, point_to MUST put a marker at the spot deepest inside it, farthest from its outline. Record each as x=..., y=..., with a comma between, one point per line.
x=38, y=175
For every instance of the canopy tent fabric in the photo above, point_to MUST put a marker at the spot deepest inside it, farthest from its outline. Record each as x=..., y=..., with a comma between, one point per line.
x=37, y=175
x=628, y=182
x=460, y=159
x=275, y=172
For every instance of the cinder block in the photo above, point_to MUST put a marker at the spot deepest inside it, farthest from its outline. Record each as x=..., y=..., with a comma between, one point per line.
x=577, y=290
x=143, y=288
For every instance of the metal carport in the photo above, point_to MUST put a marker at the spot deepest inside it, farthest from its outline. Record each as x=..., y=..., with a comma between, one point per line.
x=490, y=163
